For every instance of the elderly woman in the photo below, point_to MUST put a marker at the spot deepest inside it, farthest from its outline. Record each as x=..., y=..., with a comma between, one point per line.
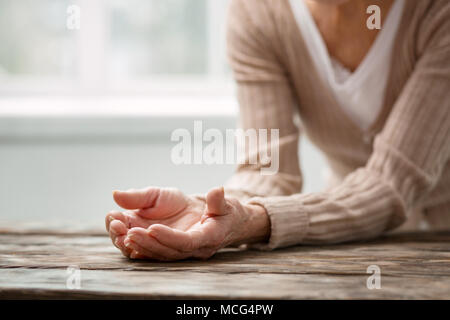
x=375, y=101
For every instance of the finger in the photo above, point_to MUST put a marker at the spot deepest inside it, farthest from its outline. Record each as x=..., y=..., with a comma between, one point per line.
x=170, y=201
x=118, y=227
x=204, y=253
x=136, y=255
x=177, y=239
x=114, y=215
x=136, y=199
x=118, y=232
x=139, y=256
x=119, y=242
x=136, y=252
x=216, y=204
x=129, y=218
x=142, y=237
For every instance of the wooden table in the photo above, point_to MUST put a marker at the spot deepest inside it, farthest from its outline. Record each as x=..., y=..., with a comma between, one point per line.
x=413, y=265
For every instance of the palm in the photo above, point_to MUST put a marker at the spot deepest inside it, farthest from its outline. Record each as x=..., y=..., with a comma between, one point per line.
x=173, y=209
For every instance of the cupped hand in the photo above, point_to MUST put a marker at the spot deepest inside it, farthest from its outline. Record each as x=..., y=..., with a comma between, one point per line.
x=164, y=224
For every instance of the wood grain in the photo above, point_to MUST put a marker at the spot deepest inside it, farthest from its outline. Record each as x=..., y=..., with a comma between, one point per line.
x=413, y=266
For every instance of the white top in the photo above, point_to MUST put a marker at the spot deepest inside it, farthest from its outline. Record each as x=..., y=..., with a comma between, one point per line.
x=360, y=93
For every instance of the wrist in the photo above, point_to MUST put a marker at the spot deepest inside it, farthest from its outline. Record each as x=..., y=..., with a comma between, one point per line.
x=256, y=225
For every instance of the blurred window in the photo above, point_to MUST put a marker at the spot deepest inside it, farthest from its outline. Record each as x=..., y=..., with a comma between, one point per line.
x=158, y=37
x=34, y=39
x=118, y=41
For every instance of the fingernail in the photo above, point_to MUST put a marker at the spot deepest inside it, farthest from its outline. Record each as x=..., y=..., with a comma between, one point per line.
x=132, y=236
x=116, y=242
x=134, y=254
x=111, y=218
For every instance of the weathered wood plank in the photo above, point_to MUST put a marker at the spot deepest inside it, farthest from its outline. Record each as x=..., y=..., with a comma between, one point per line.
x=411, y=258
x=412, y=265
x=199, y=285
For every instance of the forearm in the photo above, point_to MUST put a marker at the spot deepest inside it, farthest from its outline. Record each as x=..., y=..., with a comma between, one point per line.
x=361, y=208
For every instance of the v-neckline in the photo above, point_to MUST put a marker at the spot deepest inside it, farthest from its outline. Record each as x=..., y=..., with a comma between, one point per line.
x=369, y=56
x=385, y=106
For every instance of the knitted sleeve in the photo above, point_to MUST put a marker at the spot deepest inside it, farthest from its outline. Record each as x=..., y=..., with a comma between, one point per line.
x=266, y=103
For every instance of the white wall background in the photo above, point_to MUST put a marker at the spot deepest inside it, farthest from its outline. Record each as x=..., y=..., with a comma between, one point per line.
x=60, y=170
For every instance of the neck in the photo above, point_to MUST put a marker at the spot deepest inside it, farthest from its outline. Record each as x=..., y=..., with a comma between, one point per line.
x=346, y=12
x=343, y=27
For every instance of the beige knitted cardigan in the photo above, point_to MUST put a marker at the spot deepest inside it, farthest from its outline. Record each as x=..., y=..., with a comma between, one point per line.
x=399, y=164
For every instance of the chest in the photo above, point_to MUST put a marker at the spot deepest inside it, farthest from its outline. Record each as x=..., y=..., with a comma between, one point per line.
x=349, y=44
x=329, y=93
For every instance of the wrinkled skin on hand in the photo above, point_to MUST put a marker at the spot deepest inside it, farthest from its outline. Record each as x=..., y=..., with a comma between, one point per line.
x=164, y=224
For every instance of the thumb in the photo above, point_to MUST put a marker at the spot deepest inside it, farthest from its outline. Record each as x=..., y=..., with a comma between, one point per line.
x=136, y=198
x=216, y=204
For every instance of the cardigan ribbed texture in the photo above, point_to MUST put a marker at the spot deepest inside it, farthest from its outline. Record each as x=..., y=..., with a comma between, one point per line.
x=399, y=164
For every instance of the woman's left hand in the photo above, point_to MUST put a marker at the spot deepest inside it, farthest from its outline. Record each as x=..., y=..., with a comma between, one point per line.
x=221, y=222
